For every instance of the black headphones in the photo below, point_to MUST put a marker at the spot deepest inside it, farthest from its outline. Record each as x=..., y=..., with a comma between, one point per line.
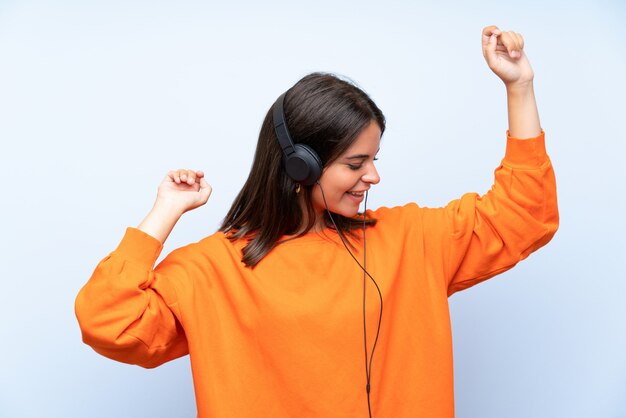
x=302, y=164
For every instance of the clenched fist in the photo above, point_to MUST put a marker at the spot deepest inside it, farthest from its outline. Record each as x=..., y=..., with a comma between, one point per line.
x=504, y=53
x=184, y=189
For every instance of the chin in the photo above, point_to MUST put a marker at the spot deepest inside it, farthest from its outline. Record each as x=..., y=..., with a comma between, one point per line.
x=346, y=209
x=348, y=213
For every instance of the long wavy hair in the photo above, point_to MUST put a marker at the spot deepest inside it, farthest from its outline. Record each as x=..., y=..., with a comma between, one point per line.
x=324, y=112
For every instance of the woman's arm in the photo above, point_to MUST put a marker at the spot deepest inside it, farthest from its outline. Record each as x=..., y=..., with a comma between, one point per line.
x=504, y=53
x=127, y=311
x=491, y=233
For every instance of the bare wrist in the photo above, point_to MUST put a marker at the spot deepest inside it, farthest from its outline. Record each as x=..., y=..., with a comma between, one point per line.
x=167, y=208
x=520, y=88
x=161, y=219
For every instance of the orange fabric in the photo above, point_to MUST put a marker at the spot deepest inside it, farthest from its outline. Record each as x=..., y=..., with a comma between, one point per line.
x=285, y=339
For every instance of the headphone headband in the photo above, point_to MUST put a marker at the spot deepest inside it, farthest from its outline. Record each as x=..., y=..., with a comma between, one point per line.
x=302, y=164
x=284, y=139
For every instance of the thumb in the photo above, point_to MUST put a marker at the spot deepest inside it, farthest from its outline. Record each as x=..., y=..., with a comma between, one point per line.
x=205, y=189
x=489, y=49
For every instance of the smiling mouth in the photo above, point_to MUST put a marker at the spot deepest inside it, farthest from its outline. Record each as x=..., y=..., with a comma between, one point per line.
x=356, y=194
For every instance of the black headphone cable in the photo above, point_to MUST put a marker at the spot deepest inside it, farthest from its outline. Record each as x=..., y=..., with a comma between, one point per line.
x=368, y=361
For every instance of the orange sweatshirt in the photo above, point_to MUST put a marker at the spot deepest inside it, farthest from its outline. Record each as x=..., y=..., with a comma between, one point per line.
x=285, y=339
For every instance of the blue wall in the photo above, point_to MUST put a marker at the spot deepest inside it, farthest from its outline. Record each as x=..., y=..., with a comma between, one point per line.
x=99, y=99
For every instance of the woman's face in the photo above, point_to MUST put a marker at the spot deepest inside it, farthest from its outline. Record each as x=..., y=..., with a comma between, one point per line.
x=345, y=181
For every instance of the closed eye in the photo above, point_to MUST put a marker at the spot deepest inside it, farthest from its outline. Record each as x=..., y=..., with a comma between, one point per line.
x=358, y=166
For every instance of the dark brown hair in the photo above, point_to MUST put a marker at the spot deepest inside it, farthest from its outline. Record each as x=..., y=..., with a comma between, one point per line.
x=327, y=114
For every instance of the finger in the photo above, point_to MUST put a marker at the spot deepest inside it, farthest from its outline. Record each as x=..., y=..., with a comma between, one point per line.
x=518, y=43
x=185, y=176
x=205, y=189
x=174, y=176
x=504, y=42
x=510, y=43
x=489, y=30
x=520, y=40
x=182, y=173
x=190, y=176
x=489, y=50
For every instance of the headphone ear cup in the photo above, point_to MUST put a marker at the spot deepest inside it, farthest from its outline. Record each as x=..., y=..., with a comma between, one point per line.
x=304, y=165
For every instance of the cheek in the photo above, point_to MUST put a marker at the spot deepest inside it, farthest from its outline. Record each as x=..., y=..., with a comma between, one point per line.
x=338, y=181
x=347, y=183
x=333, y=191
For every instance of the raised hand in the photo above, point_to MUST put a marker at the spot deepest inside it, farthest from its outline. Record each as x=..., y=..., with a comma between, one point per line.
x=184, y=189
x=504, y=53
x=180, y=191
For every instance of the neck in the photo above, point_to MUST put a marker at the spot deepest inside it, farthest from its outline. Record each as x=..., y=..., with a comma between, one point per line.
x=318, y=224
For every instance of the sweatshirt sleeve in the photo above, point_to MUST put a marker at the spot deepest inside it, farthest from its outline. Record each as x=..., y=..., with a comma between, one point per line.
x=127, y=311
x=492, y=233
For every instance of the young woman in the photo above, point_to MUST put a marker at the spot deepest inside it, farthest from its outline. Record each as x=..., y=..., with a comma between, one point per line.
x=302, y=307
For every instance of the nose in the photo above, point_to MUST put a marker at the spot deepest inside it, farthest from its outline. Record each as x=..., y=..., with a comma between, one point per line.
x=371, y=175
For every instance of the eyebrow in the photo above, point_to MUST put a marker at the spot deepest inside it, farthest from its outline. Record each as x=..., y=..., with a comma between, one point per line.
x=360, y=156
x=357, y=157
